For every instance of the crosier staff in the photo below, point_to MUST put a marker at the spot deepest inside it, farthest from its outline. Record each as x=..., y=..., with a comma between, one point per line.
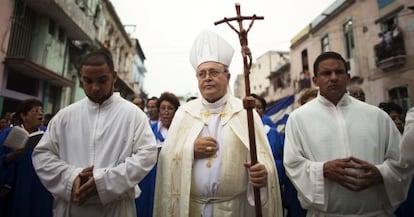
x=248, y=102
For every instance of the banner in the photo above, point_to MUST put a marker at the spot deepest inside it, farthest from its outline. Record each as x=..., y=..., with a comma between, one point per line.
x=279, y=111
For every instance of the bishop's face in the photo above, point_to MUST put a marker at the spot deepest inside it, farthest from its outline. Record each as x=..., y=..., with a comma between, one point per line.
x=212, y=80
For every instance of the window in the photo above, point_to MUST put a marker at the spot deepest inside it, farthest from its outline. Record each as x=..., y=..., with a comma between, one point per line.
x=22, y=83
x=52, y=27
x=325, y=43
x=61, y=35
x=305, y=62
x=383, y=3
x=349, y=39
x=399, y=95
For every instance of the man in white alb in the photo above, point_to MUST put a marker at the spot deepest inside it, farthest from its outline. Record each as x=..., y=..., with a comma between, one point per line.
x=339, y=150
x=95, y=151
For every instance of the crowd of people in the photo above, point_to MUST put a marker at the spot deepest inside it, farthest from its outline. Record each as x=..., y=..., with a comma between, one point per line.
x=108, y=156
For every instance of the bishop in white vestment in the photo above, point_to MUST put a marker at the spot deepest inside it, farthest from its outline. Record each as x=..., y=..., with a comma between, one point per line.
x=201, y=168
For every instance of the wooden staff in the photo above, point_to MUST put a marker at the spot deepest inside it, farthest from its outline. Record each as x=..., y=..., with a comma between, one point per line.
x=248, y=102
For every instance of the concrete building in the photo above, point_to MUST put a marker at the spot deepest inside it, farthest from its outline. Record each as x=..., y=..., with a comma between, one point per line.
x=138, y=69
x=239, y=87
x=380, y=56
x=280, y=82
x=259, y=73
x=35, y=52
x=112, y=35
x=42, y=42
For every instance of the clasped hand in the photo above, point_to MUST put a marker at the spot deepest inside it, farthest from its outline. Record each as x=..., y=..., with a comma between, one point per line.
x=84, y=186
x=352, y=173
x=205, y=147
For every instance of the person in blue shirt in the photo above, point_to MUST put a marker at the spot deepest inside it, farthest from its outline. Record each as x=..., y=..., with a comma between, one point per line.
x=290, y=201
x=167, y=105
x=23, y=195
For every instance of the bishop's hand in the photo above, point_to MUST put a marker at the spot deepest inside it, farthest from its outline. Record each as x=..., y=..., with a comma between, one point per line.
x=257, y=174
x=205, y=147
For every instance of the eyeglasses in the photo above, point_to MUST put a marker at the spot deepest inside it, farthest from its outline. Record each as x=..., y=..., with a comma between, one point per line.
x=212, y=74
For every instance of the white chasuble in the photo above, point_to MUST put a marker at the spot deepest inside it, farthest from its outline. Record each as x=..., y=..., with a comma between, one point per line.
x=187, y=187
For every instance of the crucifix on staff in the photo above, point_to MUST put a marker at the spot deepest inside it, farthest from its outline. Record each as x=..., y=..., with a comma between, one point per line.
x=248, y=102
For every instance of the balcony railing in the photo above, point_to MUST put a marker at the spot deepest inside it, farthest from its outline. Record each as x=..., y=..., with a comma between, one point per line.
x=390, y=52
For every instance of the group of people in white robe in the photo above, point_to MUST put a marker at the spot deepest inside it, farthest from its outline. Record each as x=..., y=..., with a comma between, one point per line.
x=103, y=156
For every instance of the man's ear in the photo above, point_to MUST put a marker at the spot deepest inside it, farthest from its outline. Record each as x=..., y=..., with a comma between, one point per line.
x=314, y=80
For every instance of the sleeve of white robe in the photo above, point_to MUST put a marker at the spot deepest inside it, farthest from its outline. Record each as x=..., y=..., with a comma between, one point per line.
x=307, y=176
x=58, y=176
x=407, y=143
x=112, y=182
x=390, y=176
x=404, y=167
x=55, y=174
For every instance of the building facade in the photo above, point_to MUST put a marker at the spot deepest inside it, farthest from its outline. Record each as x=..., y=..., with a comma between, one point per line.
x=375, y=37
x=43, y=41
x=259, y=74
x=36, y=62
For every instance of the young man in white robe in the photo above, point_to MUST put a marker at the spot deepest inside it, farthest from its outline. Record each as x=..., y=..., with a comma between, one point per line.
x=96, y=150
x=203, y=168
x=339, y=150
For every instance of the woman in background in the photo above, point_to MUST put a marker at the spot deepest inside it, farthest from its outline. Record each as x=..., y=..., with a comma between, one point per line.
x=23, y=195
x=167, y=105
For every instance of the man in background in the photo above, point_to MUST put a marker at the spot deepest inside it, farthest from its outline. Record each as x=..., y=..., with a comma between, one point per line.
x=140, y=102
x=152, y=110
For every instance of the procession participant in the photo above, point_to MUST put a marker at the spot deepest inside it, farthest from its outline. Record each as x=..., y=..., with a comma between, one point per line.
x=338, y=150
x=96, y=150
x=204, y=167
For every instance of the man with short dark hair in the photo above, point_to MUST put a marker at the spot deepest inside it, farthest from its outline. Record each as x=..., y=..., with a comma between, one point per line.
x=152, y=110
x=338, y=150
x=96, y=150
x=356, y=92
x=140, y=102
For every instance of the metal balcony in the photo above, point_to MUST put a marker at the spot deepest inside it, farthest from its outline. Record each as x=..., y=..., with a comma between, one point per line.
x=390, y=53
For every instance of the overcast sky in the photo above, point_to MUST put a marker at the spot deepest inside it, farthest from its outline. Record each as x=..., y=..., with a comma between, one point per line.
x=166, y=30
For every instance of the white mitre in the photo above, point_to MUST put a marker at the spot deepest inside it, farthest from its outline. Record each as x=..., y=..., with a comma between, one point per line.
x=209, y=46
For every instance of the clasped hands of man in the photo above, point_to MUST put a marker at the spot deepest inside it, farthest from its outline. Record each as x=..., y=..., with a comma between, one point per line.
x=84, y=186
x=352, y=173
x=205, y=147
